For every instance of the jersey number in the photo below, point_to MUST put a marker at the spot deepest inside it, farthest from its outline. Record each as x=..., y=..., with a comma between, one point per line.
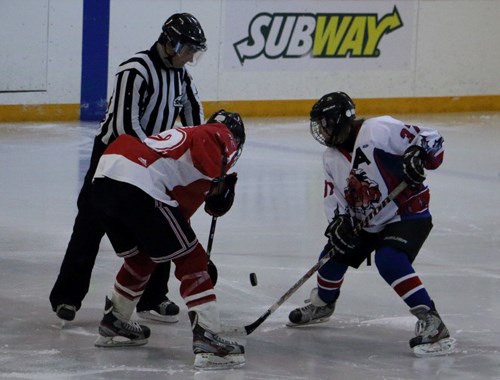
x=328, y=189
x=408, y=134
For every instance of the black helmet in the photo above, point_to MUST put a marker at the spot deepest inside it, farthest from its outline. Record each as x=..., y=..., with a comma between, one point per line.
x=330, y=118
x=183, y=29
x=234, y=123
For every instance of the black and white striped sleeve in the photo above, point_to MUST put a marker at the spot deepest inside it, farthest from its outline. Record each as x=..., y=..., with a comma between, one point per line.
x=192, y=109
x=129, y=95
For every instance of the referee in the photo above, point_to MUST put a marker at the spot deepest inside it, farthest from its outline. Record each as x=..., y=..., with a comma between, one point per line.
x=151, y=90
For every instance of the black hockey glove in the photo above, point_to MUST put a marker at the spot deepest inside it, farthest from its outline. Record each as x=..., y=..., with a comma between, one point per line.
x=340, y=233
x=220, y=197
x=413, y=166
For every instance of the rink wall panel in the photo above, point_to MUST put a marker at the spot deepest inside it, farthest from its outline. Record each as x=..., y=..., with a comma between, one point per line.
x=390, y=56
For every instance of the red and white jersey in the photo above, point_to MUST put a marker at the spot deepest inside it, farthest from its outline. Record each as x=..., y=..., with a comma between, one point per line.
x=175, y=167
x=356, y=183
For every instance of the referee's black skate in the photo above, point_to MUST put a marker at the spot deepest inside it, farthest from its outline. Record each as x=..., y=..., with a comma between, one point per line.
x=316, y=311
x=166, y=311
x=432, y=337
x=114, y=332
x=212, y=351
x=66, y=312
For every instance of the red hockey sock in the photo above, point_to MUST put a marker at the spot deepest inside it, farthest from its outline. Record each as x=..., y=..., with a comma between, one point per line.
x=133, y=276
x=196, y=286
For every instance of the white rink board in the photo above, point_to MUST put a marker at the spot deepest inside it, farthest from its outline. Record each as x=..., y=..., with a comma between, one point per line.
x=444, y=48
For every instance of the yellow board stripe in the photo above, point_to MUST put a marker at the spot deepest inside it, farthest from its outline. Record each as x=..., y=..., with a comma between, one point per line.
x=380, y=106
x=39, y=112
x=278, y=108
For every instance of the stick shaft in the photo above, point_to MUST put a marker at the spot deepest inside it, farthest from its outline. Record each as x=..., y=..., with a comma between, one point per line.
x=248, y=329
x=211, y=235
x=214, y=218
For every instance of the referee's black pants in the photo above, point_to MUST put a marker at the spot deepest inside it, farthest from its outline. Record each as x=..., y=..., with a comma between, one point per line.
x=73, y=281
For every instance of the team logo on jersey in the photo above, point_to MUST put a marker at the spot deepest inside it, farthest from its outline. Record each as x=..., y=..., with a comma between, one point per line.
x=178, y=101
x=321, y=35
x=436, y=145
x=361, y=193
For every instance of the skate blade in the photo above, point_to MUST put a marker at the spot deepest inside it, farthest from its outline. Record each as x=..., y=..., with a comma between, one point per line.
x=153, y=316
x=443, y=347
x=206, y=361
x=107, y=341
x=60, y=326
x=310, y=323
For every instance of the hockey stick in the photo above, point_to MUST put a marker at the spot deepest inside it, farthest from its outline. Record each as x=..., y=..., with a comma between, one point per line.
x=211, y=235
x=248, y=329
x=214, y=218
x=212, y=269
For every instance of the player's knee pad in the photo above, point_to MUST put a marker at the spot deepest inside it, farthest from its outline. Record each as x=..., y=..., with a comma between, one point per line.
x=195, y=261
x=139, y=265
x=392, y=263
x=133, y=276
x=196, y=287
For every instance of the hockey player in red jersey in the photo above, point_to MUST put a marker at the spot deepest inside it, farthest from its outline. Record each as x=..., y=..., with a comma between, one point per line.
x=145, y=193
x=365, y=160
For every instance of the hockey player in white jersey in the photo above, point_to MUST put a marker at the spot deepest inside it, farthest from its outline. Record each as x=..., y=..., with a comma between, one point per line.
x=365, y=160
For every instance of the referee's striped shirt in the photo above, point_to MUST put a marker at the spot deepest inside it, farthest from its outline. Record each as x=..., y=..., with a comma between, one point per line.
x=148, y=97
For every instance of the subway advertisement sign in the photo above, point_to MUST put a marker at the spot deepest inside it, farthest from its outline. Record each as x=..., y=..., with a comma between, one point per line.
x=264, y=35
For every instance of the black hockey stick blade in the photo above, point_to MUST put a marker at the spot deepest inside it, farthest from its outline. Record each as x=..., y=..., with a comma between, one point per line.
x=252, y=326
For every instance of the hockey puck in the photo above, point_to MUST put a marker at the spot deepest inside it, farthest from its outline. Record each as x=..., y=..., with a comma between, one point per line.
x=253, y=279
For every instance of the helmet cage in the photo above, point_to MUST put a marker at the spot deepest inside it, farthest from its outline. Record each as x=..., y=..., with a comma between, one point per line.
x=331, y=117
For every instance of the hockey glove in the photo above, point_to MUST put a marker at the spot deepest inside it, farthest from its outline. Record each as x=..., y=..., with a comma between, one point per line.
x=220, y=197
x=341, y=235
x=413, y=166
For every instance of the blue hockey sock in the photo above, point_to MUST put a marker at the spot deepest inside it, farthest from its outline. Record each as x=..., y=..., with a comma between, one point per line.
x=330, y=278
x=396, y=269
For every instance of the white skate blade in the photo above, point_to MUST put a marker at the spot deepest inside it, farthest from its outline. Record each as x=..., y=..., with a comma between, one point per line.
x=443, y=347
x=311, y=322
x=208, y=361
x=118, y=341
x=152, y=315
x=60, y=326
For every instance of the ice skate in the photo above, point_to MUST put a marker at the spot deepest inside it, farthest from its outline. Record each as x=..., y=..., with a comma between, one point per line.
x=66, y=312
x=212, y=351
x=432, y=337
x=167, y=312
x=116, y=333
x=316, y=311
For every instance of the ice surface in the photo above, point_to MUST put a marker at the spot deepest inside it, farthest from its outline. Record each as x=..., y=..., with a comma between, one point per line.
x=275, y=229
